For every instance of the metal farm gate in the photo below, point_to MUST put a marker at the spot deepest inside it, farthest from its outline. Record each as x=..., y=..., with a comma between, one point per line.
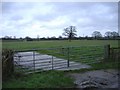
x=61, y=58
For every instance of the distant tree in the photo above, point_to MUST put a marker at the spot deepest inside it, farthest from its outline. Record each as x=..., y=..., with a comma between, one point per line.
x=27, y=38
x=6, y=37
x=111, y=34
x=48, y=38
x=114, y=34
x=86, y=37
x=43, y=38
x=108, y=34
x=14, y=37
x=60, y=37
x=53, y=38
x=96, y=34
x=70, y=32
x=21, y=38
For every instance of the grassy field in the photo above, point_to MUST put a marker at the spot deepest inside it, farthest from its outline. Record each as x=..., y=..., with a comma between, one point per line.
x=84, y=51
x=91, y=49
x=19, y=45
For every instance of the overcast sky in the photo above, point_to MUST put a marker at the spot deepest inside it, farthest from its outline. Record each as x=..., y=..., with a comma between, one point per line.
x=50, y=18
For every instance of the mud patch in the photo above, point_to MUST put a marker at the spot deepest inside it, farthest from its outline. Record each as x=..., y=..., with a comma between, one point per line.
x=96, y=79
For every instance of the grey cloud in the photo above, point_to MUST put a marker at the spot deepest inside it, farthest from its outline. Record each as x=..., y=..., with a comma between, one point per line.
x=88, y=15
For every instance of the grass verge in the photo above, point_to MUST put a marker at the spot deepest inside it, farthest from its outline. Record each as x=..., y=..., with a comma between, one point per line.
x=48, y=79
x=99, y=66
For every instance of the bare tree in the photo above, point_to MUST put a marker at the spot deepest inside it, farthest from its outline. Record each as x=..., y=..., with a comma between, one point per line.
x=111, y=34
x=114, y=34
x=108, y=34
x=96, y=34
x=70, y=32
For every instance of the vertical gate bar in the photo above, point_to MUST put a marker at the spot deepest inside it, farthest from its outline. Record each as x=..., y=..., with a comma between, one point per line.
x=52, y=63
x=34, y=60
x=68, y=58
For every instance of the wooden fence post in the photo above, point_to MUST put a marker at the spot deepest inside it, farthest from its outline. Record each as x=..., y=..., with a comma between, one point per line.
x=7, y=63
x=12, y=62
x=106, y=52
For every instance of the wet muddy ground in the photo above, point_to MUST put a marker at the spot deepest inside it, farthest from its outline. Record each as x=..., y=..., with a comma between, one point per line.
x=97, y=79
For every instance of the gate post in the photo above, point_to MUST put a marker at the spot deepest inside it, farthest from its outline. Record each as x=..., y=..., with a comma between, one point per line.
x=106, y=52
x=12, y=61
x=68, y=58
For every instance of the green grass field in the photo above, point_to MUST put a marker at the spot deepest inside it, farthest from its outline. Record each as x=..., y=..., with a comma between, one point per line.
x=85, y=51
x=90, y=49
x=19, y=45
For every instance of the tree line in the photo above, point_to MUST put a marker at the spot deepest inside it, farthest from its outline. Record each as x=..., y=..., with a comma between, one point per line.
x=70, y=33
